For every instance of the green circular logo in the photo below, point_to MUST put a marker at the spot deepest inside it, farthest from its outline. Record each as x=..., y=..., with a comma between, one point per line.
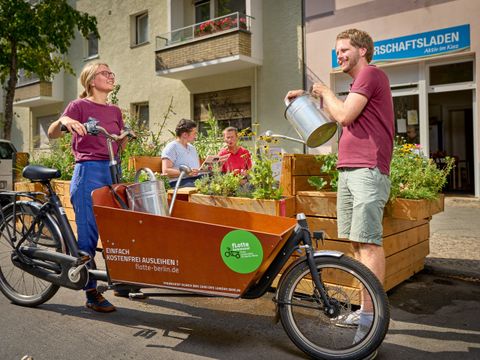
x=241, y=251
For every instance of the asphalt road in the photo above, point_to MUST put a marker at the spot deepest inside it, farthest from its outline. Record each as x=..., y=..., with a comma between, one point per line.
x=432, y=318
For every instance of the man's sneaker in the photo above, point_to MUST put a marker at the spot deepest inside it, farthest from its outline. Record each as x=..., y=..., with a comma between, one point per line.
x=97, y=302
x=349, y=320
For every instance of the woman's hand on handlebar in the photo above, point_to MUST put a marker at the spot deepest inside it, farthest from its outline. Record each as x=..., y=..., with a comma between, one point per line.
x=71, y=125
x=65, y=123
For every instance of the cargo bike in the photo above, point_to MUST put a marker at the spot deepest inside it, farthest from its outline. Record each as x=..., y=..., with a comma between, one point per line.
x=199, y=249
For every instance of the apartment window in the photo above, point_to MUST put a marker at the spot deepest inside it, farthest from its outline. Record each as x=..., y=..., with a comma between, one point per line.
x=25, y=79
x=206, y=9
x=91, y=46
x=231, y=107
x=41, y=131
x=202, y=10
x=141, y=112
x=226, y=7
x=141, y=28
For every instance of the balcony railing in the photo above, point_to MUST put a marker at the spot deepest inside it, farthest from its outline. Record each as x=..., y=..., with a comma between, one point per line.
x=213, y=27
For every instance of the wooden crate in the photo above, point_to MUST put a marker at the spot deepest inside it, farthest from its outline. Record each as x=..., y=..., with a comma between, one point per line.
x=282, y=207
x=324, y=204
x=415, y=209
x=405, y=231
x=154, y=163
x=296, y=169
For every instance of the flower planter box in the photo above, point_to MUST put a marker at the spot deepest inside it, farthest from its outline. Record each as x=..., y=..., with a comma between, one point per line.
x=414, y=209
x=324, y=204
x=296, y=169
x=282, y=207
x=406, y=230
x=154, y=163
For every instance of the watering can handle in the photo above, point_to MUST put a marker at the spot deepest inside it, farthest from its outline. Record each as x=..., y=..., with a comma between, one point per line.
x=151, y=175
x=288, y=102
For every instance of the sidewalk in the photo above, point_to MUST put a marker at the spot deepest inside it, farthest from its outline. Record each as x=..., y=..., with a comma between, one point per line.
x=455, y=239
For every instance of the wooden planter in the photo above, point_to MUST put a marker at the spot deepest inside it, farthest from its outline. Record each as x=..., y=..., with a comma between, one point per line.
x=154, y=163
x=296, y=169
x=406, y=231
x=282, y=207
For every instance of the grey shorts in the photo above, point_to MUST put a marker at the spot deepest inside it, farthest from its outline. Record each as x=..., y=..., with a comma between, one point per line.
x=361, y=198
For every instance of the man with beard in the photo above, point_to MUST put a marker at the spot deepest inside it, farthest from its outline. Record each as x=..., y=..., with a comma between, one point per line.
x=364, y=154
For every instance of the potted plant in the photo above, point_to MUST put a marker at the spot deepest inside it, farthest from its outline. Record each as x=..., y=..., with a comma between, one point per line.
x=260, y=194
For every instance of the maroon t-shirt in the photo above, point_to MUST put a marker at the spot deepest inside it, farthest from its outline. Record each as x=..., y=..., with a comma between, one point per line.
x=368, y=141
x=90, y=147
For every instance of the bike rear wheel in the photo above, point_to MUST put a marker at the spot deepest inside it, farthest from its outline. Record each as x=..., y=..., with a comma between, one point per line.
x=324, y=336
x=17, y=285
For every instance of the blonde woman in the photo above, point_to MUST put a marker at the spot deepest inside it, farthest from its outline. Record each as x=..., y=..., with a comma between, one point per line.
x=91, y=159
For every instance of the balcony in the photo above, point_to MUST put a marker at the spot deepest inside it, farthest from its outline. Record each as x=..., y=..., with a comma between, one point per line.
x=212, y=47
x=32, y=92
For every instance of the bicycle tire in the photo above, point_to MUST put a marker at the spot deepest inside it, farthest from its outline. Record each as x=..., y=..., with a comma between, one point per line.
x=322, y=336
x=18, y=286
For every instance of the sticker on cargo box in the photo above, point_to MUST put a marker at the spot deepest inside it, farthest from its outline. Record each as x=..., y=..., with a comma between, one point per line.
x=241, y=251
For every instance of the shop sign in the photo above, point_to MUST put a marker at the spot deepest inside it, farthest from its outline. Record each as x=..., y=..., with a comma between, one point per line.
x=422, y=45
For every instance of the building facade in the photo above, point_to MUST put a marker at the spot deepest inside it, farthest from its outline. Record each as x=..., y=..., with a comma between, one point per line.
x=238, y=57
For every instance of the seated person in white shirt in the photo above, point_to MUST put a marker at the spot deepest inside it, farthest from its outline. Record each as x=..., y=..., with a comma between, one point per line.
x=181, y=152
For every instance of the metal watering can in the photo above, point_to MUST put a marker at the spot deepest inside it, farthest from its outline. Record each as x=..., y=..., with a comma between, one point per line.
x=149, y=196
x=310, y=122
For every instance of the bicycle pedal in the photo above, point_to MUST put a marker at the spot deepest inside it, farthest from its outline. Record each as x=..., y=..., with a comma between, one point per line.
x=102, y=288
x=137, y=296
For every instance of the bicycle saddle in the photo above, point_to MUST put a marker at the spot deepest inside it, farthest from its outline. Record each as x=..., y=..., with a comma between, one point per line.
x=40, y=173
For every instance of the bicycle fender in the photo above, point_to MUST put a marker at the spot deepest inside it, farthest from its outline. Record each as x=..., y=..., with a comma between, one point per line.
x=318, y=253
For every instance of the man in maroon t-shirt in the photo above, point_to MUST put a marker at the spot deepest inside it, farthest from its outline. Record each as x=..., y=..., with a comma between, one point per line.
x=239, y=160
x=364, y=154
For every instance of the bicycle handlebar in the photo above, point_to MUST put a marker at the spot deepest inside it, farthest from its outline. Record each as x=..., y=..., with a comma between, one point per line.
x=92, y=128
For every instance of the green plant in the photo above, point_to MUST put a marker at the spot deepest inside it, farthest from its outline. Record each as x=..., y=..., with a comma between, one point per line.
x=261, y=176
x=329, y=168
x=261, y=181
x=211, y=141
x=59, y=157
x=412, y=174
x=218, y=183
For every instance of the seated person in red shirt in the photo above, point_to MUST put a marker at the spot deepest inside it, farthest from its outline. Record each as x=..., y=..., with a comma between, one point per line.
x=239, y=160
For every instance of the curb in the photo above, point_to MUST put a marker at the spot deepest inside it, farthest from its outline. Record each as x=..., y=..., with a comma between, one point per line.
x=449, y=272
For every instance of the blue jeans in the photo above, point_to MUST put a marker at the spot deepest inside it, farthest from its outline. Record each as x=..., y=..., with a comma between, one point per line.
x=87, y=176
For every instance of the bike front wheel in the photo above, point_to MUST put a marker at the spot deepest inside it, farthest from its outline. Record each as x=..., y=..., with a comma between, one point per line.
x=324, y=335
x=17, y=285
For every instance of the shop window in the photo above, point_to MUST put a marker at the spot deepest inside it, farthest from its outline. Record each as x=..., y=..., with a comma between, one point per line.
x=451, y=73
x=141, y=112
x=40, y=138
x=406, y=118
x=230, y=107
x=91, y=46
